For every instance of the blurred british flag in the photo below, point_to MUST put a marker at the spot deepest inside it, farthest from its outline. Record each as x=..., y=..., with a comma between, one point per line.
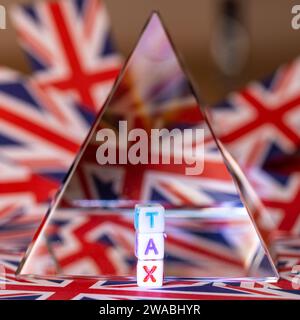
x=51, y=110
x=258, y=125
x=70, y=48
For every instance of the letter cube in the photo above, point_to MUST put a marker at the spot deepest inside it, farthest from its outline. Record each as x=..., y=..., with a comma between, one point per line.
x=150, y=273
x=149, y=246
x=149, y=218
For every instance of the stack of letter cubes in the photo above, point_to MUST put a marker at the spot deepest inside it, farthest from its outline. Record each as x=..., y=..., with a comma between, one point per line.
x=149, y=223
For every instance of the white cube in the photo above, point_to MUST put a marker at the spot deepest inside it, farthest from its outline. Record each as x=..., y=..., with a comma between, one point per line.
x=150, y=273
x=149, y=218
x=149, y=246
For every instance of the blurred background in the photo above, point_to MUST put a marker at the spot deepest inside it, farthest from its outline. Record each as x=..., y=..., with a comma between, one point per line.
x=223, y=43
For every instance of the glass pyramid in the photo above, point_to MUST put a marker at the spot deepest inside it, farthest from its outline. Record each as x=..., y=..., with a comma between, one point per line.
x=210, y=210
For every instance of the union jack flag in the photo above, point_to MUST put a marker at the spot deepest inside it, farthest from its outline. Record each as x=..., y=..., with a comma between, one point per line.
x=260, y=127
x=166, y=184
x=93, y=289
x=39, y=138
x=39, y=131
x=70, y=48
x=23, y=195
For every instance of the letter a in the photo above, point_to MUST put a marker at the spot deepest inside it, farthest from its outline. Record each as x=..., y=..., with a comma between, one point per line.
x=151, y=246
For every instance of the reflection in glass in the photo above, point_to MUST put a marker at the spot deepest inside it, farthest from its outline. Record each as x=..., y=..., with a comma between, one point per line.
x=89, y=229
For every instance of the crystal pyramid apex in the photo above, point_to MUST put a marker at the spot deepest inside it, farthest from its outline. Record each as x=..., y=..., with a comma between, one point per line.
x=154, y=41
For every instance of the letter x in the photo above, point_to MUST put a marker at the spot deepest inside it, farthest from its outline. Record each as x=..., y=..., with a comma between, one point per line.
x=149, y=273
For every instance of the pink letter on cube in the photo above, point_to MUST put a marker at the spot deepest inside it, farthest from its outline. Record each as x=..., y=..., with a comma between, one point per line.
x=150, y=273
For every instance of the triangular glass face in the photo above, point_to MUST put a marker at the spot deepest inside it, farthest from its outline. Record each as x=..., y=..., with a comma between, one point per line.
x=151, y=143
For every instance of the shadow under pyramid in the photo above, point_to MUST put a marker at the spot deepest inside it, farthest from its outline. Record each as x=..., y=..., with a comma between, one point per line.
x=152, y=142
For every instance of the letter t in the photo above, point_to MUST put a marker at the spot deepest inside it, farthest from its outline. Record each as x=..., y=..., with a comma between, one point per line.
x=151, y=215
